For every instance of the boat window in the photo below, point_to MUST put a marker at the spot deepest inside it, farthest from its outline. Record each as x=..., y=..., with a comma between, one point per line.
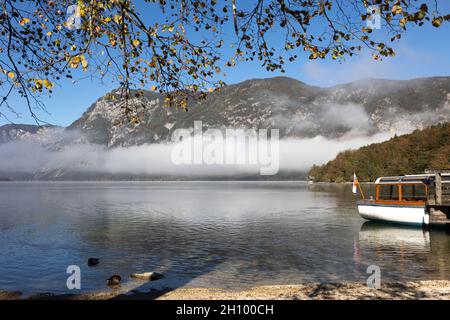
x=414, y=192
x=388, y=192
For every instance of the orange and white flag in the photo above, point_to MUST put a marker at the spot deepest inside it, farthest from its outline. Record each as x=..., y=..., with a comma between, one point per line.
x=355, y=184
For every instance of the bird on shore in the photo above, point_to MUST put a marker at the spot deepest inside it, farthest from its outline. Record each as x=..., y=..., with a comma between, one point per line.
x=114, y=280
x=93, y=262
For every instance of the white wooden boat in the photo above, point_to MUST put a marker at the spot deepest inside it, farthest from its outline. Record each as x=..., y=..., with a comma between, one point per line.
x=409, y=199
x=404, y=214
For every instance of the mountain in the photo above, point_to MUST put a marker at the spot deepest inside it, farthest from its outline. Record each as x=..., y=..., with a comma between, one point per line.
x=362, y=107
x=11, y=132
x=407, y=154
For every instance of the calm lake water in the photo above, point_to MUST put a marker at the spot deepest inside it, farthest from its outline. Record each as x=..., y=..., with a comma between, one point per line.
x=202, y=234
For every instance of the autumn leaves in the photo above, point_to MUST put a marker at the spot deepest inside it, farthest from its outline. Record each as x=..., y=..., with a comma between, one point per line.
x=181, y=48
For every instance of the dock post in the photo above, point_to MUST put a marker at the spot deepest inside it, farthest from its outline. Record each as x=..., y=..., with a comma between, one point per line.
x=438, y=188
x=438, y=205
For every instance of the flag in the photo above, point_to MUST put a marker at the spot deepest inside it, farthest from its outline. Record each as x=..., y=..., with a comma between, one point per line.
x=355, y=184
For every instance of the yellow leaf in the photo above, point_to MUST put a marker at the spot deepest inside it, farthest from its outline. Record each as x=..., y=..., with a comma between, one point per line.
x=38, y=84
x=211, y=90
x=396, y=9
x=136, y=42
x=49, y=33
x=84, y=62
x=154, y=88
x=75, y=61
x=48, y=84
x=117, y=19
x=437, y=22
x=11, y=75
x=24, y=21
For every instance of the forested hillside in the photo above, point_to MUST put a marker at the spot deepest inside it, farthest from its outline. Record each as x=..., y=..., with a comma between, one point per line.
x=407, y=154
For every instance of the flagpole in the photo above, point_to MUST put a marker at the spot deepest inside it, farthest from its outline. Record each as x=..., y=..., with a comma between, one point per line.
x=358, y=185
x=360, y=190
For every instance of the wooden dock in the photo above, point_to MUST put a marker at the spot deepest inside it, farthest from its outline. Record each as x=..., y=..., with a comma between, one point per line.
x=438, y=203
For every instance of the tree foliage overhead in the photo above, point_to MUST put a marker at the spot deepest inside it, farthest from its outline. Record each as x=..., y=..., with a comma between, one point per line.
x=180, y=47
x=408, y=154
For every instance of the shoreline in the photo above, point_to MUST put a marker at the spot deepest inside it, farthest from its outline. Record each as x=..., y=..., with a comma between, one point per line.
x=411, y=290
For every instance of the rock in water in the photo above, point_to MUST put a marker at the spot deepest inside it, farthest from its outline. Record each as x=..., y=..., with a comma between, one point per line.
x=114, y=280
x=147, y=276
x=93, y=262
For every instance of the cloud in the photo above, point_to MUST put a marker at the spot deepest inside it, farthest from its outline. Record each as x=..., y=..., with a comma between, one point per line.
x=302, y=154
x=325, y=118
x=156, y=159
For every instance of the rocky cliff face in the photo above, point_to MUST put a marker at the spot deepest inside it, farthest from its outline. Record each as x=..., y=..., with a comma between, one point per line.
x=297, y=109
x=11, y=132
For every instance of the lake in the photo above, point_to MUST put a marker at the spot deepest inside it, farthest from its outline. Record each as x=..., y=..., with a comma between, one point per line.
x=202, y=234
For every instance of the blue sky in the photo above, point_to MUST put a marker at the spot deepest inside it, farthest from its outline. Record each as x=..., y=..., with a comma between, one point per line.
x=421, y=52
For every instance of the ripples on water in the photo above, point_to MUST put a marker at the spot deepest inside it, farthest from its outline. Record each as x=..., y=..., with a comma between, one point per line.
x=215, y=234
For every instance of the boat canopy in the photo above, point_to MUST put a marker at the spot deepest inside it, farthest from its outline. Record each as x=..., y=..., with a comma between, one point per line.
x=416, y=178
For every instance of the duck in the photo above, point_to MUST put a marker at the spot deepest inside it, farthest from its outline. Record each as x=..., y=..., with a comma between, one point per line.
x=93, y=262
x=114, y=280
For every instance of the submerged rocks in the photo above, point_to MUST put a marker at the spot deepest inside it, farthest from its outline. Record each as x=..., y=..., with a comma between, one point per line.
x=114, y=280
x=151, y=276
x=93, y=262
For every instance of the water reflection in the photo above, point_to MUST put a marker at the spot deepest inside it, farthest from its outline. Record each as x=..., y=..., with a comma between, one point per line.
x=404, y=252
x=385, y=237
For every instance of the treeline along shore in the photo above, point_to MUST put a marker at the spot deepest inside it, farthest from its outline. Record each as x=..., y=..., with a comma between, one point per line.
x=407, y=154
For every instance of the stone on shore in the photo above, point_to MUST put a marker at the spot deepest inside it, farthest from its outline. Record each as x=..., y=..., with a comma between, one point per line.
x=151, y=276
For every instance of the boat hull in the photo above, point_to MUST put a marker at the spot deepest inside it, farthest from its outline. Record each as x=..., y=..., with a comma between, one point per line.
x=410, y=215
